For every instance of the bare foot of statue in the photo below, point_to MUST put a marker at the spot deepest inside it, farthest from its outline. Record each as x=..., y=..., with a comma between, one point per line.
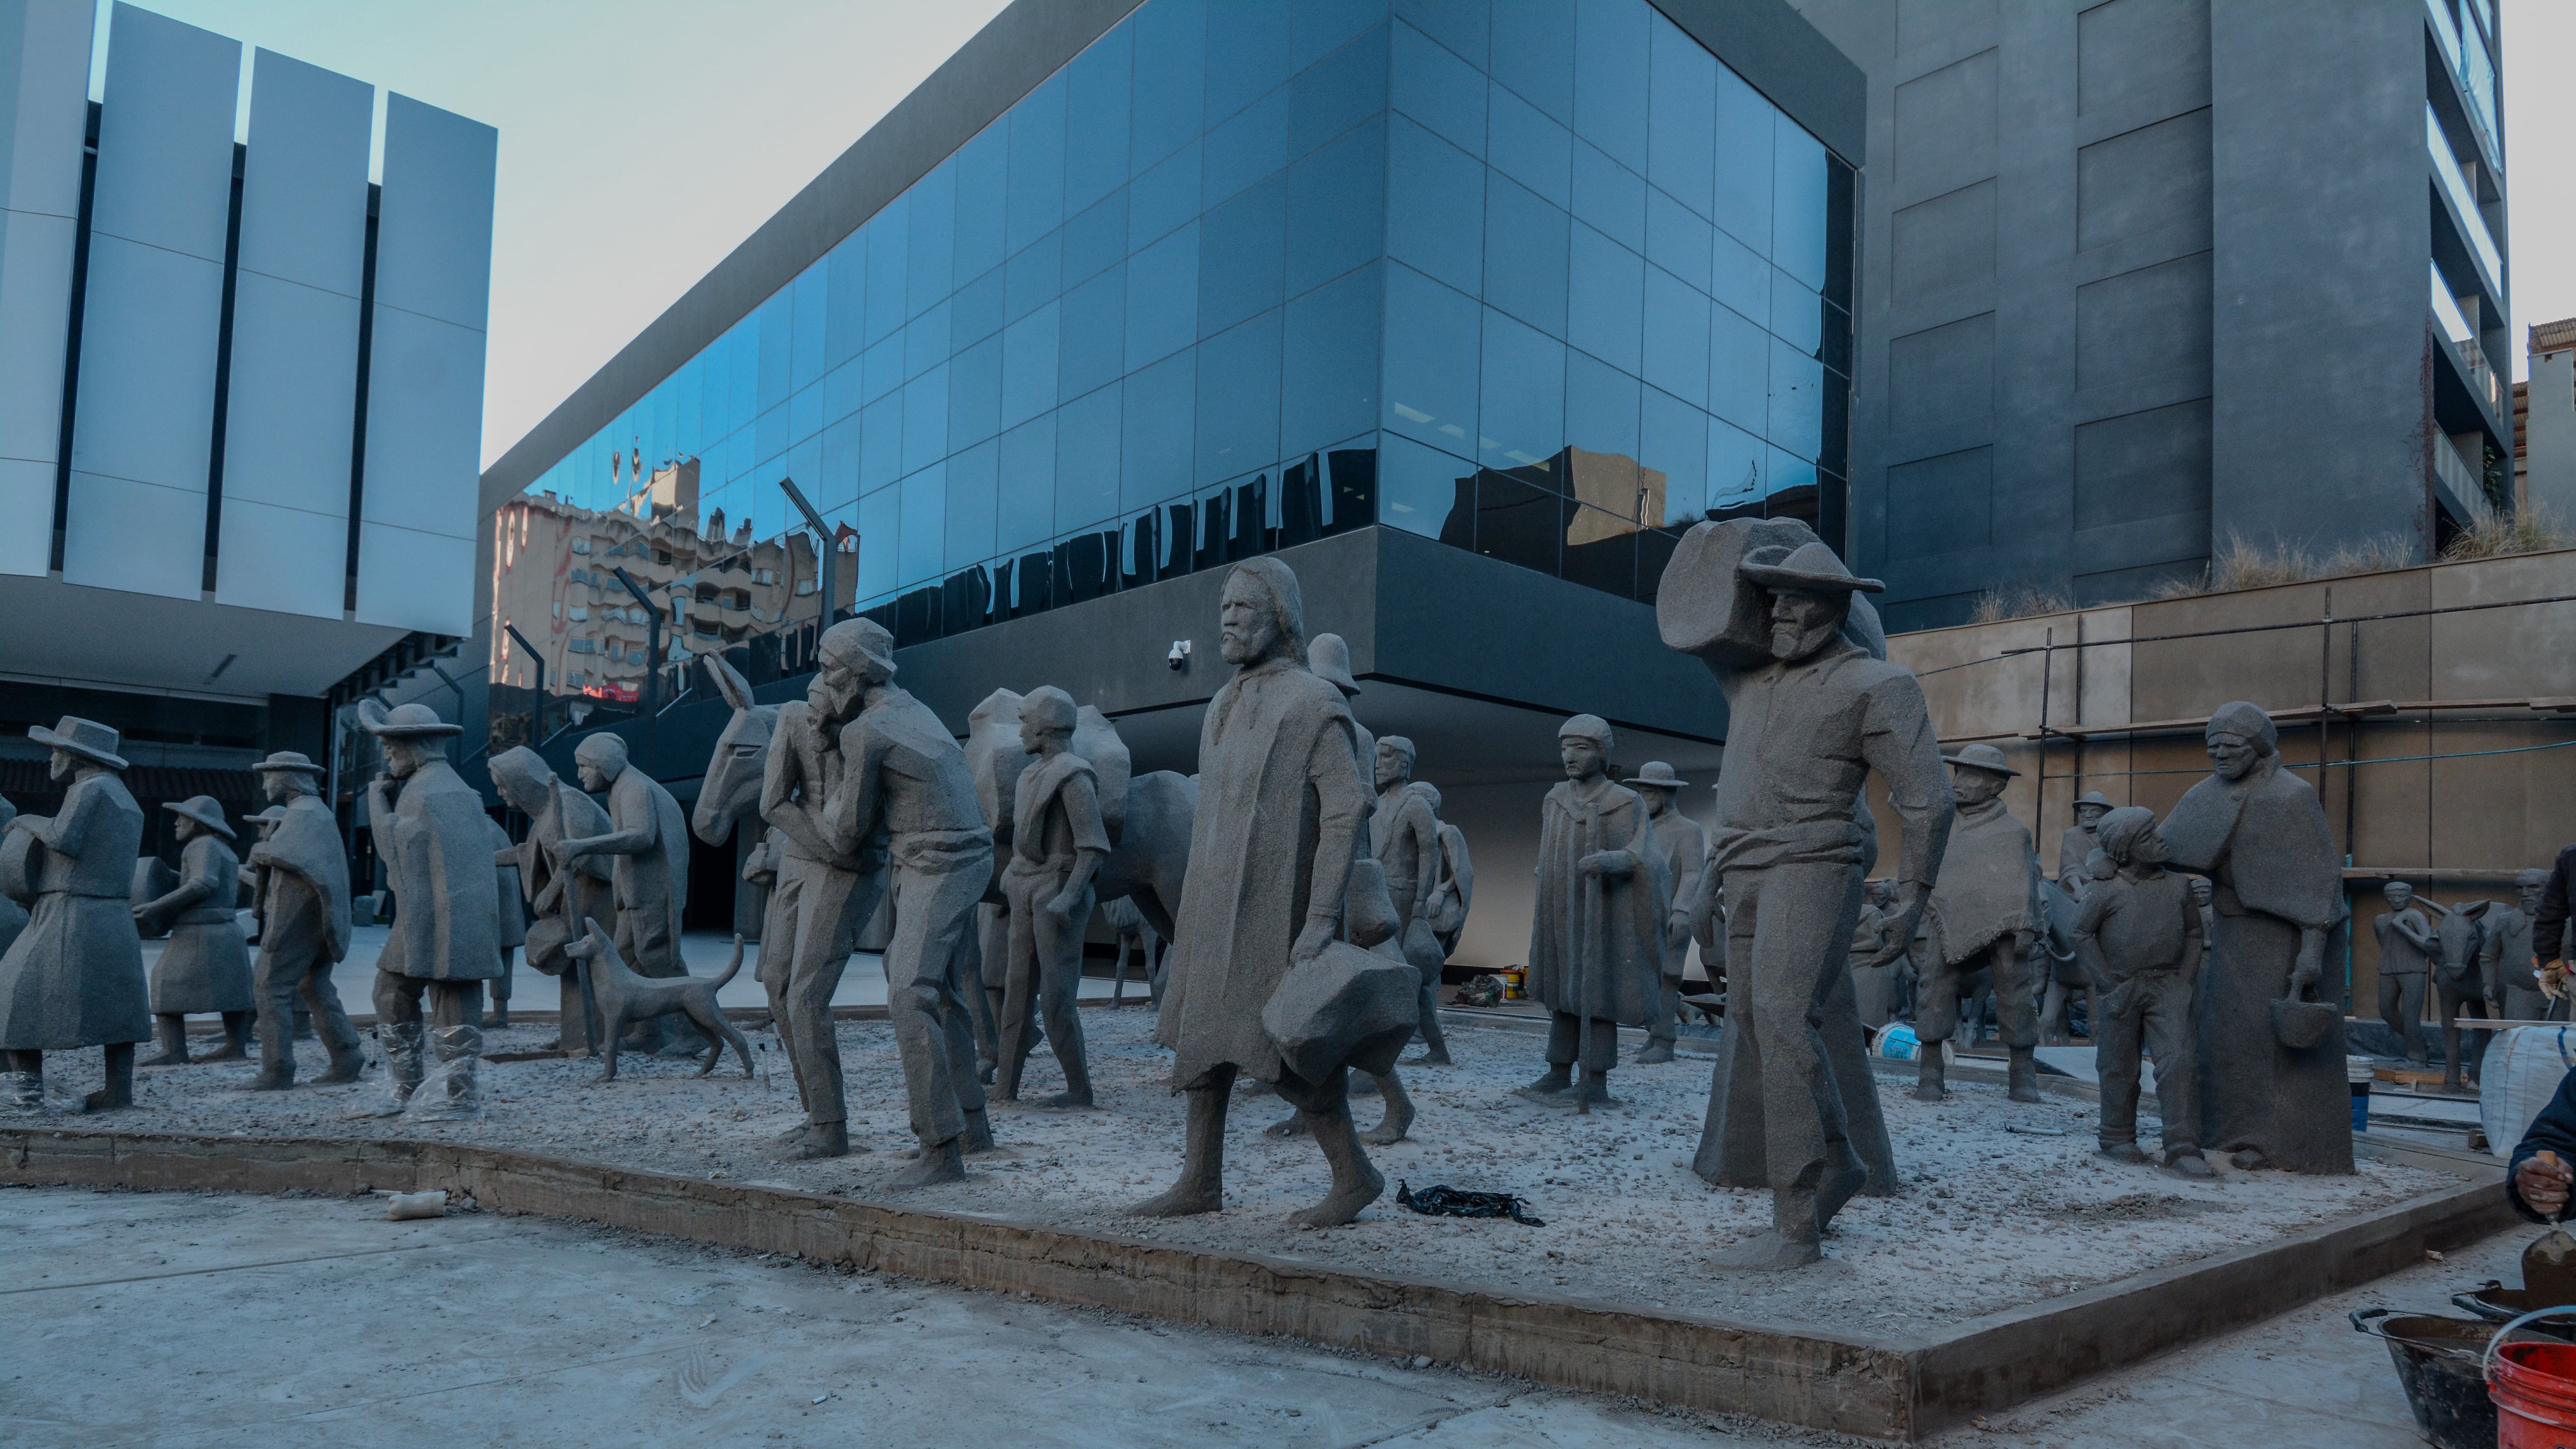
x=937, y=1163
x=2123, y=1152
x=1188, y=1197
x=1292, y=1125
x=1398, y=1120
x=1928, y=1083
x=1657, y=1053
x=2188, y=1164
x=1771, y=1252
x=2022, y=1076
x=823, y=1139
x=272, y=1079
x=1556, y=1080
x=1069, y=1099
x=978, y=1136
x=1436, y=1057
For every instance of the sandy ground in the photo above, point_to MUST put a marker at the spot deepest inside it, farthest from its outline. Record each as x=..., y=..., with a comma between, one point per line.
x=209, y=1319
x=2004, y=1204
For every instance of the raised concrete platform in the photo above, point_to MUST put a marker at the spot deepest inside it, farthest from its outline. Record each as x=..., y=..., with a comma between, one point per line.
x=1896, y=1388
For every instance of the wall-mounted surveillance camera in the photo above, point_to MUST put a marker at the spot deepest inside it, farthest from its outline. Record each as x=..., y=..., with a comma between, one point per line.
x=1179, y=658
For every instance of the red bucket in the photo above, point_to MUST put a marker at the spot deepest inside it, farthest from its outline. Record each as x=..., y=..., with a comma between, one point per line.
x=2534, y=1388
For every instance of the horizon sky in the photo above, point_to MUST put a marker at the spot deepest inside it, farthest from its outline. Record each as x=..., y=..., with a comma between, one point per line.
x=642, y=140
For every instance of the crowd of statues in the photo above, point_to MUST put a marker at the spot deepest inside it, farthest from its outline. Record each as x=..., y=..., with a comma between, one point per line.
x=1324, y=893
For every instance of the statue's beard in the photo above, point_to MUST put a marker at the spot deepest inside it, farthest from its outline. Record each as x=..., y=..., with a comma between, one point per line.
x=1790, y=641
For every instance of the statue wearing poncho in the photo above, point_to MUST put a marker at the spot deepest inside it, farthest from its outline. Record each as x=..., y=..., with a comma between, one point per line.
x=2260, y=836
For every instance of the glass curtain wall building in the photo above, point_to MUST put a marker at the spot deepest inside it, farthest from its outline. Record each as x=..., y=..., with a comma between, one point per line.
x=1542, y=279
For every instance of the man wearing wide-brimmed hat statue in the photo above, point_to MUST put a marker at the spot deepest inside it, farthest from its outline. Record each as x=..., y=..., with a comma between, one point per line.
x=206, y=966
x=1985, y=917
x=74, y=976
x=303, y=925
x=1813, y=708
x=429, y=830
x=1685, y=848
x=2075, y=863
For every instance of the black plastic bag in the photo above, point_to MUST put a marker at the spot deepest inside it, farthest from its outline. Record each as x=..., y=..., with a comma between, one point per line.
x=1456, y=1202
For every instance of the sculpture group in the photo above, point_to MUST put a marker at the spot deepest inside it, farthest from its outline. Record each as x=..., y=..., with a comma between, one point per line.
x=1309, y=893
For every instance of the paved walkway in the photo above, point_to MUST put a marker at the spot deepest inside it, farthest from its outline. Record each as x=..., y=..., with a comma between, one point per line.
x=207, y=1319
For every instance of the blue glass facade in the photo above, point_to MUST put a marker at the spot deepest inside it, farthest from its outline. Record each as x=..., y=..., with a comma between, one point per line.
x=1540, y=278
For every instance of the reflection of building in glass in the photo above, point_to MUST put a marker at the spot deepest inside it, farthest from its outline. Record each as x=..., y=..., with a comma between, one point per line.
x=556, y=584
x=1313, y=264
x=1595, y=518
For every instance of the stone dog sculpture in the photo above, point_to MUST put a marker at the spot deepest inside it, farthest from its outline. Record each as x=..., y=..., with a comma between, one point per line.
x=1281, y=808
x=625, y=998
x=1813, y=708
x=74, y=976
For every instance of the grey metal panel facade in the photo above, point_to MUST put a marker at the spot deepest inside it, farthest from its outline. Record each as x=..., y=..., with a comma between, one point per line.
x=152, y=311
x=419, y=520
x=295, y=339
x=44, y=108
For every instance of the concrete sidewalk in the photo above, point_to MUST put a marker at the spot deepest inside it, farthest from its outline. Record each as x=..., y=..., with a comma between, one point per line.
x=215, y=1319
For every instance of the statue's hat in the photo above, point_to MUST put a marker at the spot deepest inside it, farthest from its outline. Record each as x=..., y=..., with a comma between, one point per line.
x=1329, y=655
x=203, y=810
x=1657, y=774
x=1810, y=567
x=404, y=722
x=86, y=738
x=1982, y=757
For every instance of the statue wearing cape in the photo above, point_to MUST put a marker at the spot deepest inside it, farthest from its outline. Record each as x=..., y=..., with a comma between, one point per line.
x=447, y=916
x=309, y=918
x=2264, y=844
x=1602, y=959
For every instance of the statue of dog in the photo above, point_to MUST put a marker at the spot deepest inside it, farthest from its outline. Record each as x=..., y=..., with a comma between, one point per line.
x=623, y=997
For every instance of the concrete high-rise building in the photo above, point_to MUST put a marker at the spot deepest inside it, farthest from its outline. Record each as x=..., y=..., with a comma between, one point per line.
x=2545, y=448
x=2140, y=277
x=241, y=392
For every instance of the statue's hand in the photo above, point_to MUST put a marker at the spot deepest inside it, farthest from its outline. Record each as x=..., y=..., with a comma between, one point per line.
x=1060, y=907
x=1590, y=865
x=1311, y=942
x=1904, y=914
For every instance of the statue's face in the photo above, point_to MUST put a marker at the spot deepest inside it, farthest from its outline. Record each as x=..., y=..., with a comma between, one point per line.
x=594, y=775
x=1039, y=739
x=2089, y=816
x=64, y=763
x=1880, y=892
x=2150, y=849
x=1802, y=623
x=1974, y=787
x=2233, y=754
x=2399, y=894
x=1657, y=801
x=1247, y=630
x=2201, y=893
x=403, y=758
x=833, y=690
x=273, y=785
x=2529, y=894
x=1582, y=757
x=1393, y=768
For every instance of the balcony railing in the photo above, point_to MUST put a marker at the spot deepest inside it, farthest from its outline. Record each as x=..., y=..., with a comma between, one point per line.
x=2464, y=200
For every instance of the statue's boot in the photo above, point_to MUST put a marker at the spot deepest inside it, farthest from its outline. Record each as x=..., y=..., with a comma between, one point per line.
x=1356, y=1181
x=276, y=1054
x=1792, y=1242
x=2127, y=1152
x=1399, y=1113
x=170, y=1032
x=236, y=1047
x=978, y=1136
x=348, y=1056
x=1558, y=1079
x=1435, y=1042
x=1595, y=1091
x=939, y=1162
x=402, y=1043
x=1292, y=1125
x=2024, y=1076
x=458, y=1095
x=1658, y=1051
x=2187, y=1162
x=1077, y=1074
x=22, y=1088
x=1929, y=1085
x=1201, y=1188
x=1844, y=1176
x=119, y=1091
x=823, y=1139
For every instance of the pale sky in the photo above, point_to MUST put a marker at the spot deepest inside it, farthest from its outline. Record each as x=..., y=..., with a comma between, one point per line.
x=641, y=140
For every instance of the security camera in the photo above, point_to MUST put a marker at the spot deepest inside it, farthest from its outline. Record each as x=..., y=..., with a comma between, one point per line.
x=1179, y=658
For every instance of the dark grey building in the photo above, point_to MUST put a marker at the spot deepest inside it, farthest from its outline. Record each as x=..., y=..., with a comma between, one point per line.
x=1468, y=308
x=2142, y=276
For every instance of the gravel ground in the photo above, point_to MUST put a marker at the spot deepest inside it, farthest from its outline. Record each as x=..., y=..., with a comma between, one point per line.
x=2004, y=1203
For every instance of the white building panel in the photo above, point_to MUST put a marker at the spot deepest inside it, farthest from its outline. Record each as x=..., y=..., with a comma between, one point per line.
x=44, y=110
x=413, y=580
x=293, y=397
x=425, y=370
x=152, y=311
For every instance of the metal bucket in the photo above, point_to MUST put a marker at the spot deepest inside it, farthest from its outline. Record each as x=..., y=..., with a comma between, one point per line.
x=2441, y=1364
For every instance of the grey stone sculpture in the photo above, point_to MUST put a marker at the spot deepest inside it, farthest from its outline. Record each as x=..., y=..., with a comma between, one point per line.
x=1814, y=708
x=13, y=916
x=2406, y=948
x=206, y=966
x=625, y=997
x=1597, y=934
x=824, y=892
x=2272, y=1082
x=1131, y=931
x=647, y=844
x=729, y=797
x=1058, y=841
x=2507, y=955
x=2462, y=985
x=1404, y=839
x=2076, y=845
x=1281, y=808
x=74, y=977
x=1455, y=892
x=560, y=896
x=1685, y=848
x=2138, y=934
x=303, y=894
x=513, y=924
x=904, y=782
x=1873, y=972
x=429, y=831
x=1984, y=916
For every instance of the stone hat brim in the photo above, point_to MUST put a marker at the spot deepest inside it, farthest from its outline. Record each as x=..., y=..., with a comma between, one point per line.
x=211, y=819
x=51, y=740
x=301, y=767
x=1773, y=576
x=1990, y=768
x=1651, y=782
x=441, y=730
